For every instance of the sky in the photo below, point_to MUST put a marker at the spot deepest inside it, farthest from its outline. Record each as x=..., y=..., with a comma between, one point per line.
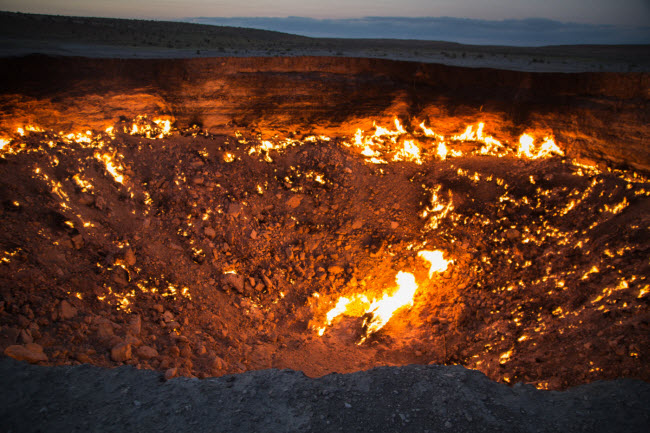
x=498, y=22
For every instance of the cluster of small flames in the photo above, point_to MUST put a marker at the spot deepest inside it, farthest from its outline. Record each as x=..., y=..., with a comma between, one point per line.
x=399, y=145
x=156, y=129
x=379, y=147
x=101, y=150
x=382, y=145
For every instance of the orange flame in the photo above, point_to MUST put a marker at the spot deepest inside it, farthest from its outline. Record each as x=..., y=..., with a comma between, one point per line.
x=379, y=312
x=527, y=148
x=436, y=260
x=382, y=310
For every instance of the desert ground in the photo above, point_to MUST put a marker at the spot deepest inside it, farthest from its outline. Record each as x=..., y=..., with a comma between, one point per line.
x=22, y=34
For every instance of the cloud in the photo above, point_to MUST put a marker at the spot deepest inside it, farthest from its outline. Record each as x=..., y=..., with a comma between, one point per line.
x=526, y=32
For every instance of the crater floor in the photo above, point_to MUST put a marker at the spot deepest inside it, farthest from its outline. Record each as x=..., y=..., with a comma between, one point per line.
x=204, y=255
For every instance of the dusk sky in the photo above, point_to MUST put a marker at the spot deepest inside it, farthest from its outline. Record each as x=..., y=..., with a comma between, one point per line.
x=617, y=12
x=480, y=22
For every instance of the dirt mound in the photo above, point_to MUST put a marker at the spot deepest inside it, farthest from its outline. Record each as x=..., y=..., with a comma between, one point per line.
x=404, y=399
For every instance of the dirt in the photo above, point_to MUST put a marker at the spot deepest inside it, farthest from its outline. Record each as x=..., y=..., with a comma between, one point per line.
x=22, y=34
x=203, y=255
x=404, y=399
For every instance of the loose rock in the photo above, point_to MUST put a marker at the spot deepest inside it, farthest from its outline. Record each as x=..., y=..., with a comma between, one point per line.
x=121, y=352
x=146, y=352
x=66, y=311
x=30, y=352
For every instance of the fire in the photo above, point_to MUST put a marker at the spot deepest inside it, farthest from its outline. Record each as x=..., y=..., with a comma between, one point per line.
x=401, y=145
x=442, y=150
x=110, y=166
x=527, y=148
x=141, y=126
x=377, y=313
x=491, y=146
x=437, y=209
x=410, y=152
x=381, y=311
x=164, y=125
x=3, y=143
x=338, y=309
x=435, y=259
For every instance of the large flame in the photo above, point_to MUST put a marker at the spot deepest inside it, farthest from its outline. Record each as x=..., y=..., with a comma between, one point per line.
x=377, y=313
x=381, y=310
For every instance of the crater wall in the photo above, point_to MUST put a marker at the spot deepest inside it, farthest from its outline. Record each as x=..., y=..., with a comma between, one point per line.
x=596, y=117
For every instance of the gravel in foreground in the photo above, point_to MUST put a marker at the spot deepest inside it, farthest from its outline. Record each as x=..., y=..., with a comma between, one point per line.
x=412, y=398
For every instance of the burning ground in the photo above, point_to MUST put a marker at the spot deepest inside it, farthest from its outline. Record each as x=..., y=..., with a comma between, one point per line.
x=201, y=255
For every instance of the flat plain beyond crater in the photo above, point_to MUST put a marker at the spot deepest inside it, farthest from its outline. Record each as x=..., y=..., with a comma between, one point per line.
x=23, y=34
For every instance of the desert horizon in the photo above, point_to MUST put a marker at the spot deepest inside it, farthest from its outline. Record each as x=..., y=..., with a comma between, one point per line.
x=24, y=34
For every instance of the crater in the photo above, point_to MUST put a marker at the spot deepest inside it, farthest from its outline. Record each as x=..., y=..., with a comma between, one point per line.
x=213, y=216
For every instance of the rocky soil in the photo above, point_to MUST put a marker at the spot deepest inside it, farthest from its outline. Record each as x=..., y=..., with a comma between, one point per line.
x=202, y=255
x=401, y=399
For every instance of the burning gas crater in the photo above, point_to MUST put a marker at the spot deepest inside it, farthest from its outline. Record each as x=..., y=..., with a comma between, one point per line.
x=204, y=255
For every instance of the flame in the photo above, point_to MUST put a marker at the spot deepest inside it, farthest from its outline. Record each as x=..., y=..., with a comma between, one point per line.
x=3, y=143
x=527, y=148
x=141, y=126
x=379, y=312
x=410, y=152
x=491, y=146
x=430, y=133
x=436, y=260
x=437, y=209
x=339, y=308
x=442, y=150
x=110, y=166
x=165, y=126
x=382, y=310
